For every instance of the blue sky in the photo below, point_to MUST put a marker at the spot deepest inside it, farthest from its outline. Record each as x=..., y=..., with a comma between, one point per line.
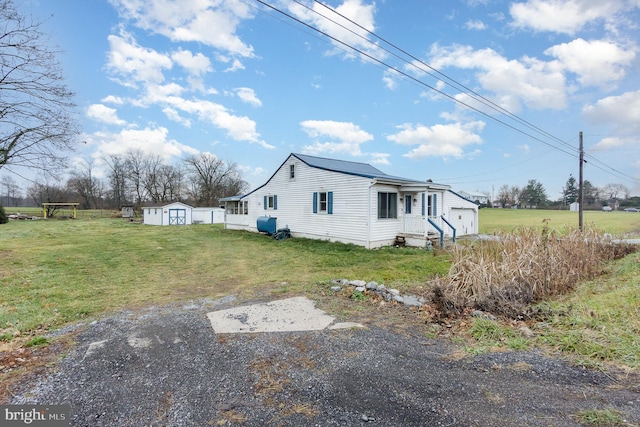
x=249, y=84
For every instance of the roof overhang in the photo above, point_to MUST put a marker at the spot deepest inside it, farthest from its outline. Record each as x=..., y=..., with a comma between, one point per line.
x=422, y=187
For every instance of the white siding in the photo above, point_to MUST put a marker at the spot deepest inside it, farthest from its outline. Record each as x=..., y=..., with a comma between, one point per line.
x=160, y=215
x=347, y=223
x=384, y=231
x=207, y=215
x=461, y=213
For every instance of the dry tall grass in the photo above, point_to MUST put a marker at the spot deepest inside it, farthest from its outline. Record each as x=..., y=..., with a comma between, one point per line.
x=505, y=276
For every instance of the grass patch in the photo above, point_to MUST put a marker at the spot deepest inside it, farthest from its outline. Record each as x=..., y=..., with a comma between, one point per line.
x=37, y=340
x=601, y=418
x=617, y=223
x=56, y=272
x=600, y=321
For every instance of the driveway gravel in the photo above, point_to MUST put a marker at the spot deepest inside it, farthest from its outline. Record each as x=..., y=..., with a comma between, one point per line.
x=166, y=366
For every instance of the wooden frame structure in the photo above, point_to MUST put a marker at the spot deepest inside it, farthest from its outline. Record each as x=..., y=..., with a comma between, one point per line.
x=59, y=205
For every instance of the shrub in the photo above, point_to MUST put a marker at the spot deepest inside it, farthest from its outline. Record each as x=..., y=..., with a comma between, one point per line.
x=506, y=276
x=3, y=216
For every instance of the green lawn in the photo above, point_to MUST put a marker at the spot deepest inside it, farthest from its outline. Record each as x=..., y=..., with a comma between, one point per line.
x=617, y=223
x=57, y=271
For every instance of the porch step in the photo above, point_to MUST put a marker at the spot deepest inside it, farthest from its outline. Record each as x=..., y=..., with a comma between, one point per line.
x=400, y=241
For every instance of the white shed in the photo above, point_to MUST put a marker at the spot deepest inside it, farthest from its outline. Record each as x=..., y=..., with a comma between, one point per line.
x=207, y=215
x=172, y=214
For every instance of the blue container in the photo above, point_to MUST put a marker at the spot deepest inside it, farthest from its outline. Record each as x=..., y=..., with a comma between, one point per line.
x=267, y=224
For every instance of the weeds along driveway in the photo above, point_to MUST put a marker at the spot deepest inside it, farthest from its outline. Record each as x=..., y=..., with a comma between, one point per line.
x=166, y=366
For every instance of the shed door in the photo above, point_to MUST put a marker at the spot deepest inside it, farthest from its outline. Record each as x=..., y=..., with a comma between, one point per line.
x=177, y=216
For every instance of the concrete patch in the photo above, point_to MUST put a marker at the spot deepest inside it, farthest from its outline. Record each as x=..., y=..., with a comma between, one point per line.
x=93, y=347
x=288, y=315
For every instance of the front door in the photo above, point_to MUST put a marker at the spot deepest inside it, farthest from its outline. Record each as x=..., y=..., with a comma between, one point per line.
x=177, y=216
x=407, y=203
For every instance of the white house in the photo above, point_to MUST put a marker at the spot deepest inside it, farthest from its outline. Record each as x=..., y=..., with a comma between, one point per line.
x=352, y=202
x=172, y=214
x=207, y=215
x=474, y=196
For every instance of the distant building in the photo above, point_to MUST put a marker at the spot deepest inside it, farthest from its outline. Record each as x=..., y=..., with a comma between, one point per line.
x=475, y=196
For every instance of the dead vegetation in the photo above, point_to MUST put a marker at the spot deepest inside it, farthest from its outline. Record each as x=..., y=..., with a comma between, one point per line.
x=508, y=274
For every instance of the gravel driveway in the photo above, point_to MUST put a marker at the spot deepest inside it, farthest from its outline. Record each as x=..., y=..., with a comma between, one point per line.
x=166, y=366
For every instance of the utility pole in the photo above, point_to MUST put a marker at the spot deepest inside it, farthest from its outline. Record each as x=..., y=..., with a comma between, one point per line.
x=580, y=185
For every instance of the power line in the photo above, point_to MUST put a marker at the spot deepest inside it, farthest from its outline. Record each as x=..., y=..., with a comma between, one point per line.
x=416, y=80
x=442, y=77
x=450, y=81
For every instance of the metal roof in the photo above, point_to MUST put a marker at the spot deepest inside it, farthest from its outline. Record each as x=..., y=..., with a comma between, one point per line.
x=349, y=168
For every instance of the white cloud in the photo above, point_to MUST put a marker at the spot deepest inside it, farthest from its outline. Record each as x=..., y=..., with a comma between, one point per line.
x=620, y=112
x=105, y=114
x=476, y=25
x=563, y=16
x=152, y=141
x=528, y=81
x=380, y=159
x=596, y=62
x=130, y=60
x=239, y=128
x=173, y=115
x=340, y=28
x=195, y=65
x=441, y=140
x=112, y=99
x=348, y=135
x=213, y=23
x=248, y=95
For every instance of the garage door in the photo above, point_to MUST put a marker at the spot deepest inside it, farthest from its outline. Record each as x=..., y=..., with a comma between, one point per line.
x=463, y=221
x=177, y=216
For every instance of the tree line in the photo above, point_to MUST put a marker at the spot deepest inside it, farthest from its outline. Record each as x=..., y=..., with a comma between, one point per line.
x=535, y=195
x=134, y=179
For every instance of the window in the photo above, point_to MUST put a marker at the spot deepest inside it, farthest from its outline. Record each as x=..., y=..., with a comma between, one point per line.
x=387, y=205
x=292, y=171
x=238, y=208
x=323, y=202
x=432, y=205
x=271, y=202
x=407, y=203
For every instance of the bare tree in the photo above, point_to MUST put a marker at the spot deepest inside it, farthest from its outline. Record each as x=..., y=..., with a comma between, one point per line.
x=117, y=178
x=89, y=189
x=11, y=191
x=36, y=125
x=616, y=190
x=135, y=164
x=50, y=193
x=212, y=179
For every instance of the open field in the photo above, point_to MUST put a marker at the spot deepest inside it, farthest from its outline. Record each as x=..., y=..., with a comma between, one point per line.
x=56, y=272
x=618, y=223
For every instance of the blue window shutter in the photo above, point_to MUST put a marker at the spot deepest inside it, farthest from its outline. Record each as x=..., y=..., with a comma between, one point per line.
x=435, y=205
x=265, y=203
x=315, y=202
x=275, y=203
x=423, y=204
x=330, y=202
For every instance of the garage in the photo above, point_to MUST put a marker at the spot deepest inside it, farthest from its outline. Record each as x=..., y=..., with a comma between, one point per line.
x=463, y=220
